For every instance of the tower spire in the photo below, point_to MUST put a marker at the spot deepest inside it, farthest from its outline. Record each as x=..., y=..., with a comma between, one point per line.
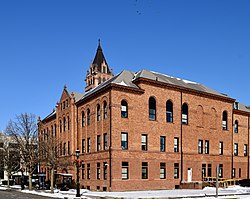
x=99, y=70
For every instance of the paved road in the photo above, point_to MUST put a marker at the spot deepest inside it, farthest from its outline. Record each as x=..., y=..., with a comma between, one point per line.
x=19, y=195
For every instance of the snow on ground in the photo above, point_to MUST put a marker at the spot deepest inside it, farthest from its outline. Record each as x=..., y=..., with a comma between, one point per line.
x=208, y=192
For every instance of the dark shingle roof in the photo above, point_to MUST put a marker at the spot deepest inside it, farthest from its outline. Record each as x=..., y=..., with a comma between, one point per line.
x=99, y=59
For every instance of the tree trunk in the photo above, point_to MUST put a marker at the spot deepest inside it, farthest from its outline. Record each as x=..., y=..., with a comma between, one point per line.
x=8, y=183
x=52, y=180
x=30, y=181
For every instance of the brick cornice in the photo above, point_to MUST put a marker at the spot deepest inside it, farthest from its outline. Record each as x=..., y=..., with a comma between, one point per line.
x=240, y=112
x=182, y=89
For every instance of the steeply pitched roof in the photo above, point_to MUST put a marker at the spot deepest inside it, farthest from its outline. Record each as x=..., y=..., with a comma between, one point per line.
x=99, y=59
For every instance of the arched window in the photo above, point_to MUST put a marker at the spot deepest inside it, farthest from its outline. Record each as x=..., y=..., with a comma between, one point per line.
x=169, y=111
x=105, y=111
x=99, y=80
x=83, y=119
x=124, y=109
x=152, y=108
x=64, y=123
x=236, y=126
x=184, y=111
x=98, y=110
x=224, y=120
x=88, y=117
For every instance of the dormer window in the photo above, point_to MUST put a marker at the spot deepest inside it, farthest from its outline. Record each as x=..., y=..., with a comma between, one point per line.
x=236, y=105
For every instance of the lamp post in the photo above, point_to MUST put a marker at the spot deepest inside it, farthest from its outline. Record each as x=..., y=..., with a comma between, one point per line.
x=77, y=174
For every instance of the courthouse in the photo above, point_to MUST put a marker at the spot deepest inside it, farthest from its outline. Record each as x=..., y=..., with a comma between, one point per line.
x=146, y=130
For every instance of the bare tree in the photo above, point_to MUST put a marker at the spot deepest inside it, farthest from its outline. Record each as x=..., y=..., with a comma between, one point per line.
x=10, y=156
x=24, y=132
x=50, y=148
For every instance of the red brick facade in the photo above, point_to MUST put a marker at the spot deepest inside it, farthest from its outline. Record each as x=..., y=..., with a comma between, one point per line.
x=96, y=125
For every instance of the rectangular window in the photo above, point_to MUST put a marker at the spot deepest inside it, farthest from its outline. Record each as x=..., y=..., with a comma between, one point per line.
x=88, y=145
x=200, y=146
x=239, y=172
x=83, y=146
x=83, y=119
x=169, y=116
x=105, y=141
x=176, y=144
x=206, y=146
x=162, y=170
x=221, y=148
x=105, y=170
x=68, y=147
x=83, y=171
x=124, y=140
x=203, y=170
x=233, y=173
x=64, y=124
x=144, y=142
x=64, y=149
x=245, y=149
x=224, y=125
x=221, y=171
x=88, y=171
x=162, y=143
x=176, y=170
x=184, y=118
x=124, y=170
x=144, y=170
x=98, y=143
x=209, y=170
x=236, y=149
x=98, y=171
x=68, y=122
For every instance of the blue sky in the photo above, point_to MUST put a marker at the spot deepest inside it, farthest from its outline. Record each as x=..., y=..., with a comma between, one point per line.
x=45, y=44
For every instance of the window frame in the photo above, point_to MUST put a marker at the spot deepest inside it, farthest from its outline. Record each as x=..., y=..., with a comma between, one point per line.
x=144, y=143
x=184, y=114
x=144, y=170
x=162, y=170
x=98, y=112
x=236, y=149
x=98, y=143
x=224, y=121
x=162, y=144
x=176, y=144
x=200, y=146
x=124, y=143
x=152, y=109
x=169, y=111
x=125, y=170
x=206, y=147
x=124, y=109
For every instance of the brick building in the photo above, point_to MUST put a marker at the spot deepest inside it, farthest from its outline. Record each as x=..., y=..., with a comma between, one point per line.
x=146, y=130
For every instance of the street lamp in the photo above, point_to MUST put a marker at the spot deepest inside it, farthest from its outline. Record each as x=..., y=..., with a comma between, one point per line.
x=77, y=174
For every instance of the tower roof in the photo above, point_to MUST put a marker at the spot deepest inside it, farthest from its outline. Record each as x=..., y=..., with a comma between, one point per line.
x=99, y=58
